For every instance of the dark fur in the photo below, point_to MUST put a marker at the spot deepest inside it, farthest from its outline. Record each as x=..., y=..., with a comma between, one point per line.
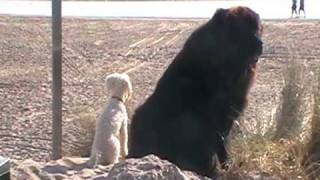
x=200, y=94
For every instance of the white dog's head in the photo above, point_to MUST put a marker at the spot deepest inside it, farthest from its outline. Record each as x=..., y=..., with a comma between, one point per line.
x=119, y=85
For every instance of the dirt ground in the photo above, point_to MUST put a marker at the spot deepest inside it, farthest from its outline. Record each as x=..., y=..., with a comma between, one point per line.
x=93, y=49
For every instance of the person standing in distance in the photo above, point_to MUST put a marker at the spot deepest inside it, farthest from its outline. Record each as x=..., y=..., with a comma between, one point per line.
x=294, y=8
x=301, y=8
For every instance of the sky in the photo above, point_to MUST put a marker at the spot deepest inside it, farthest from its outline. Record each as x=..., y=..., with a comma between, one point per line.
x=268, y=9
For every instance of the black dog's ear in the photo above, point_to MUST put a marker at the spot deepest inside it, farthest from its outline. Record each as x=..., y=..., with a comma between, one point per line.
x=220, y=16
x=259, y=45
x=256, y=46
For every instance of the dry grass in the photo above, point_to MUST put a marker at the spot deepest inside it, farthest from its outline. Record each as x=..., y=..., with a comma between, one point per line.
x=311, y=160
x=290, y=114
x=264, y=157
x=86, y=117
x=80, y=142
x=278, y=153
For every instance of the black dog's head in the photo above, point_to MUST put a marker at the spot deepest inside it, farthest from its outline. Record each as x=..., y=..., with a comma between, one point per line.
x=238, y=31
x=224, y=52
x=231, y=38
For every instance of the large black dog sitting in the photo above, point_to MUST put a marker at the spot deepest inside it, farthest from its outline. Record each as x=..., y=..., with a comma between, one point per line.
x=201, y=93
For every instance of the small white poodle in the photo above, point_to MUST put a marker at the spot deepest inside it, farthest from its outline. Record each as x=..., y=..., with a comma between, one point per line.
x=111, y=134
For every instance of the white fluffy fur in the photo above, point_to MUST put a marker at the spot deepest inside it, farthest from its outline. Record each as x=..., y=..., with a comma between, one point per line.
x=111, y=135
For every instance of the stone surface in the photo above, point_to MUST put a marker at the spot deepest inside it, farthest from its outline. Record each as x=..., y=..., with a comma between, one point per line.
x=147, y=168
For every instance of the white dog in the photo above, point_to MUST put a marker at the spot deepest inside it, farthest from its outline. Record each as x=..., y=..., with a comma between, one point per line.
x=111, y=135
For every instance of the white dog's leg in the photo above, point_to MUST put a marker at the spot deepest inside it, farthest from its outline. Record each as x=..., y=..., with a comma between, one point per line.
x=111, y=151
x=124, y=138
x=94, y=156
x=105, y=152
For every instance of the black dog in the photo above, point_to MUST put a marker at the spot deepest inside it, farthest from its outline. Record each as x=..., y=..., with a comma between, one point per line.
x=201, y=93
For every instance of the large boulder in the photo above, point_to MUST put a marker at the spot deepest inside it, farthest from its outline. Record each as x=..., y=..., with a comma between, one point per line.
x=146, y=168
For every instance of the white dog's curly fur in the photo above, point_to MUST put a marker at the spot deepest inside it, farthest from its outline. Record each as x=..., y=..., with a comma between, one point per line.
x=111, y=135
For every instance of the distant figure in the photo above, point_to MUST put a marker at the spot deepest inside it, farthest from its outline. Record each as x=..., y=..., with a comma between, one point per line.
x=294, y=7
x=301, y=8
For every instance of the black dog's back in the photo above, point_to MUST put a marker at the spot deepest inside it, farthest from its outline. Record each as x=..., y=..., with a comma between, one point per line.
x=173, y=122
x=172, y=131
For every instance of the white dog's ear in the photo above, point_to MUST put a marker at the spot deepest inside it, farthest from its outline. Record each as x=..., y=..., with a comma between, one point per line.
x=107, y=80
x=129, y=85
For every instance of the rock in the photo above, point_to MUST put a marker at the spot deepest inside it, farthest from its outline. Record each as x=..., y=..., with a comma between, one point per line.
x=148, y=168
x=65, y=168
